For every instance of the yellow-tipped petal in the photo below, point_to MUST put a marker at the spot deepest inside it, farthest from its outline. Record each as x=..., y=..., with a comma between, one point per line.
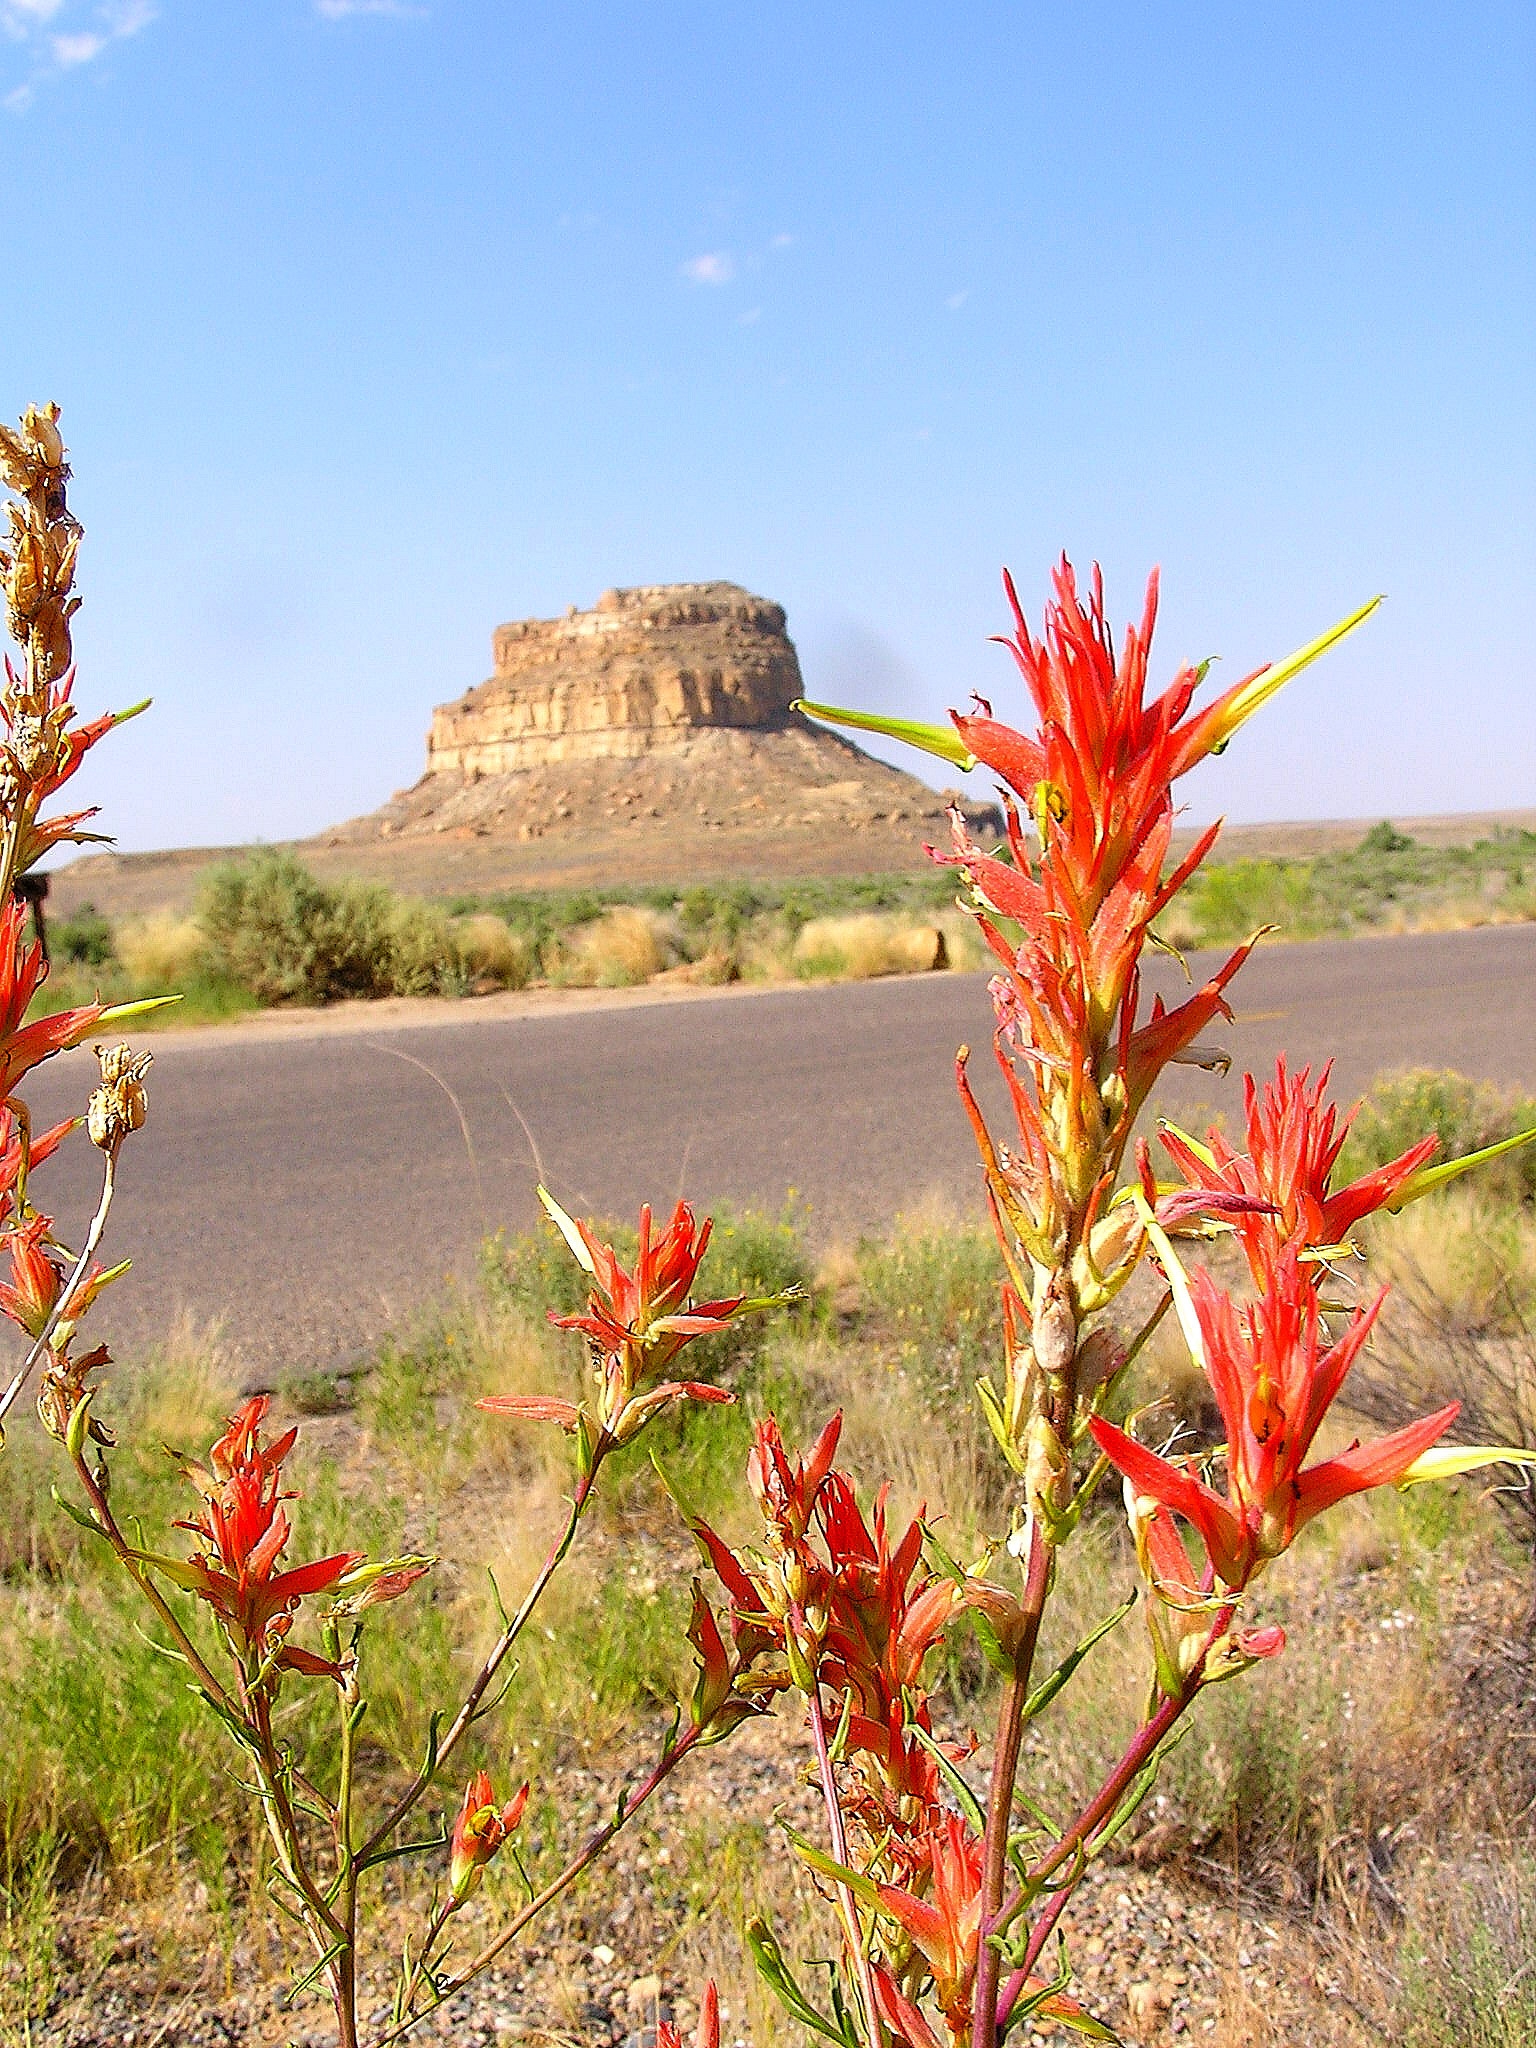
x=1245, y=701
x=1178, y=1285
x=567, y=1229
x=1449, y=1461
x=942, y=740
x=1428, y=1178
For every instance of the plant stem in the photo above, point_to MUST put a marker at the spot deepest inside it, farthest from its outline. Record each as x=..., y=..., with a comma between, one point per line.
x=845, y=1896
x=593, y=1847
x=1093, y=1816
x=1005, y=1772
x=106, y=1522
x=66, y=1293
x=464, y=1719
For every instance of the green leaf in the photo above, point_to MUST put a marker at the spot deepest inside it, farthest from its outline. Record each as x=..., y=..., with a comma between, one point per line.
x=965, y=1798
x=942, y=740
x=1429, y=1178
x=768, y=1960
x=991, y=1648
x=1047, y=1690
x=864, y=1890
x=77, y=1514
x=187, y=1576
x=336, y=1948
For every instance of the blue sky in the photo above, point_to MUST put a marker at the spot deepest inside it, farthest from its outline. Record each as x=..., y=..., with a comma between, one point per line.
x=375, y=324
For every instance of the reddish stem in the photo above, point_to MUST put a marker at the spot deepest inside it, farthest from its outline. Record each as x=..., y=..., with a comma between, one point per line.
x=839, y=1835
x=1005, y=1772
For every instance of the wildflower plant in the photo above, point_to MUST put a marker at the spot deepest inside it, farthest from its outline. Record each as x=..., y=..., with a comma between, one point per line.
x=947, y=1880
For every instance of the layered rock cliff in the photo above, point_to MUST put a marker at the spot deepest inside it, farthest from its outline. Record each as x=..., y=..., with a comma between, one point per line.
x=641, y=673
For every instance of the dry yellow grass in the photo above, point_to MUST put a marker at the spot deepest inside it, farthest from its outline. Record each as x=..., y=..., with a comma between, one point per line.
x=860, y=947
x=619, y=950
x=492, y=952
x=162, y=950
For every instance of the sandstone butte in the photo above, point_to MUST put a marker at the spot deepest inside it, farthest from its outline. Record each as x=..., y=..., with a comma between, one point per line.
x=652, y=738
x=649, y=740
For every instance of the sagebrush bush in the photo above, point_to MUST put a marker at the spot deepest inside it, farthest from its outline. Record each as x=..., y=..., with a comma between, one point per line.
x=1464, y=1115
x=269, y=925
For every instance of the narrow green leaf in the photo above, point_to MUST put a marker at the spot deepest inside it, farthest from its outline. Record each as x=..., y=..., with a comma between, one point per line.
x=294, y=1990
x=866, y=1892
x=77, y=1514
x=1047, y=1690
x=942, y=740
x=768, y=1960
x=965, y=1798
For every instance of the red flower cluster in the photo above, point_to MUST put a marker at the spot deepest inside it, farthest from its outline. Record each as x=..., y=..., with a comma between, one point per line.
x=243, y=1532
x=635, y=1322
x=1272, y=1366
x=849, y=1609
x=1096, y=782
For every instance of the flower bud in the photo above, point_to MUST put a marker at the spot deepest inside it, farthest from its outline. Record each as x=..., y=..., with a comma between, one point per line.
x=478, y=1833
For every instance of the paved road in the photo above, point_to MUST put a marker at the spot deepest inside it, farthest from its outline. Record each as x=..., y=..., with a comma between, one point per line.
x=315, y=1189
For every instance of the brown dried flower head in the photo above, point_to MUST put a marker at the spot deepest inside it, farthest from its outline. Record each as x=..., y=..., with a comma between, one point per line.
x=37, y=562
x=120, y=1104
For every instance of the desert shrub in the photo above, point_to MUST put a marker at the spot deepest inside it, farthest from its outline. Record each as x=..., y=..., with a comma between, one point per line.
x=162, y=952
x=84, y=940
x=620, y=949
x=864, y=945
x=269, y=925
x=492, y=952
x=272, y=927
x=420, y=955
x=1465, y=1115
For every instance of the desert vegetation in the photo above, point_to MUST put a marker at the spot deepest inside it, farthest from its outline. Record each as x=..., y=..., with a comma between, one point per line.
x=1324, y=1863
x=200, y=1691
x=266, y=931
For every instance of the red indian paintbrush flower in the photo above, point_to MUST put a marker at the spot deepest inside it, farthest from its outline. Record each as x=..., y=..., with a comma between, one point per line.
x=945, y=1927
x=243, y=1532
x=38, y=1273
x=1183, y=1607
x=1294, y=1141
x=23, y=970
x=635, y=1322
x=1275, y=1378
x=478, y=1832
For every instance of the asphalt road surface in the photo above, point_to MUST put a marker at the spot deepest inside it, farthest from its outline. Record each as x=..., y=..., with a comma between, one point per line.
x=313, y=1189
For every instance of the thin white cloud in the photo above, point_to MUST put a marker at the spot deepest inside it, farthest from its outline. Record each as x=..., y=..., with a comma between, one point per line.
x=20, y=17
x=68, y=51
x=716, y=267
x=782, y=241
x=956, y=300
x=66, y=48
x=750, y=318
x=343, y=10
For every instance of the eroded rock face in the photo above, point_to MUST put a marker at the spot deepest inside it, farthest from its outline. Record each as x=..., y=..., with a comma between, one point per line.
x=641, y=673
